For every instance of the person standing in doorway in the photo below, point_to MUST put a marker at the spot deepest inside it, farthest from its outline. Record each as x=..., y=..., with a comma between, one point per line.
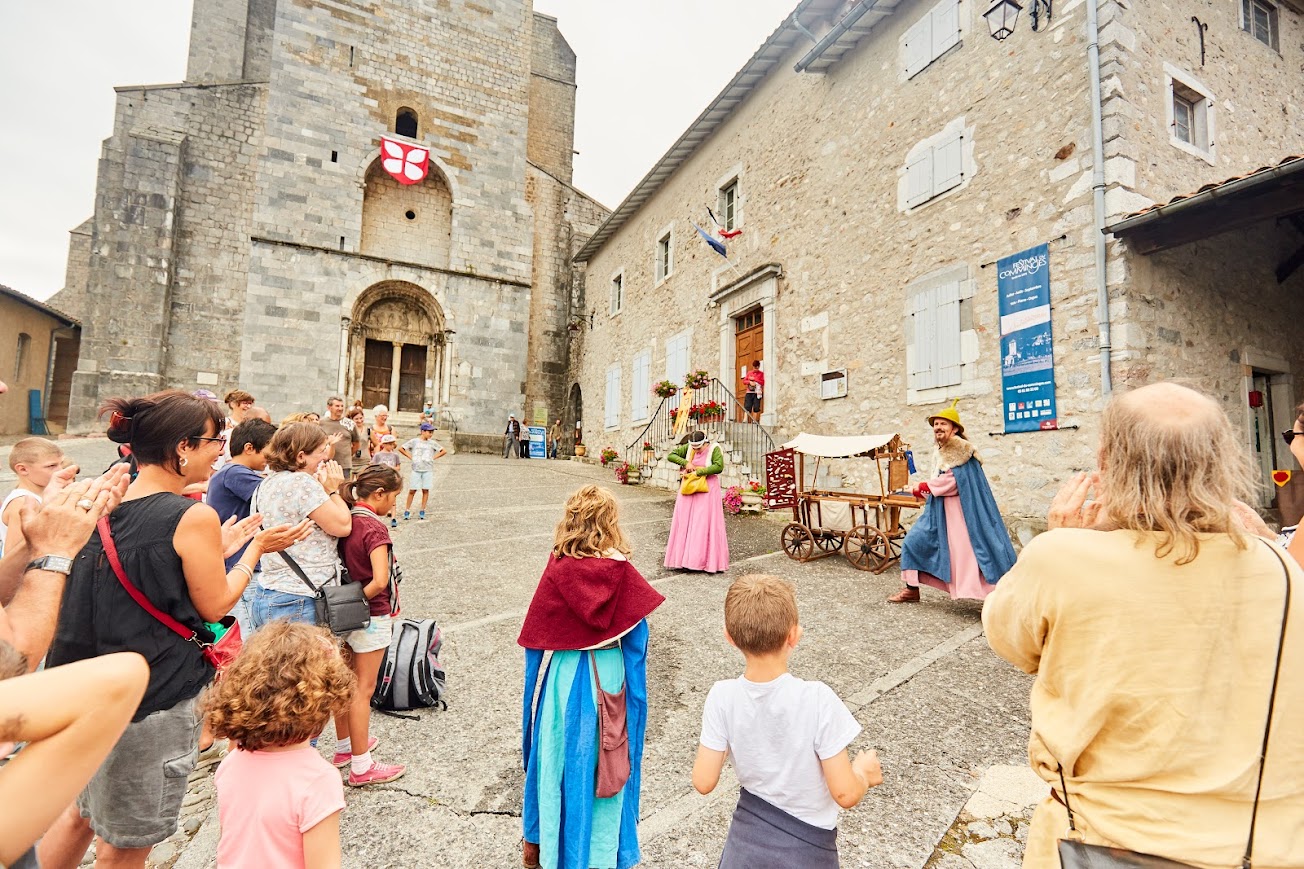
x=511, y=437
x=755, y=383
x=554, y=440
x=347, y=437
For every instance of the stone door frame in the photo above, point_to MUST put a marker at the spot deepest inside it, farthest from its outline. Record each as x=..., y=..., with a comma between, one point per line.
x=356, y=331
x=758, y=287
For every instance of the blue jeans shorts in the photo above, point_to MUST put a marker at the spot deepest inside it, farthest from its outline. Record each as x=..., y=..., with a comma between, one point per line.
x=421, y=480
x=269, y=605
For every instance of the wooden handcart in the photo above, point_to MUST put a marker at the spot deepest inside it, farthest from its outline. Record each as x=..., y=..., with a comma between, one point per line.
x=864, y=527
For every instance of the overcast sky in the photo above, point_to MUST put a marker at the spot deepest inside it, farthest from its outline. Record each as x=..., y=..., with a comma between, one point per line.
x=646, y=69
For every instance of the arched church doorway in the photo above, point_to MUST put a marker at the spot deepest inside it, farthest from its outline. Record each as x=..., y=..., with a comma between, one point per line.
x=398, y=348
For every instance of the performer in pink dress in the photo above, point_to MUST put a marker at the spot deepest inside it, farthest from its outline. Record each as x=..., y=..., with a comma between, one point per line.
x=697, y=536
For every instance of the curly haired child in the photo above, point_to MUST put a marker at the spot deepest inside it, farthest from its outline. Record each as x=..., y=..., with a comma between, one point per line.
x=278, y=800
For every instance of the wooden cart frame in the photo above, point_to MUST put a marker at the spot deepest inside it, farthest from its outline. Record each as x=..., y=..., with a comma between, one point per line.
x=873, y=541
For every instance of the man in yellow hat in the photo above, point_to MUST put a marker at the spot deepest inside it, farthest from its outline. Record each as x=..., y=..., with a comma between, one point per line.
x=960, y=544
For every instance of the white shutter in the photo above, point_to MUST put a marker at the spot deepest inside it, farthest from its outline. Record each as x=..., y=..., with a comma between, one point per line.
x=948, y=163
x=612, y=407
x=945, y=19
x=640, y=387
x=947, y=336
x=919, y=46
x=919, y=178
x=924, y=375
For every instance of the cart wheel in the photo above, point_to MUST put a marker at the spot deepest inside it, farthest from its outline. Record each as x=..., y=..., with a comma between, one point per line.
x=867, y=548
x=797, y=541
x=828, y=541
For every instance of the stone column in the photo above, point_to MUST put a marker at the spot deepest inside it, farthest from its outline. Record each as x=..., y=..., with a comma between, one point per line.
x=342, y=380
x=393, y=377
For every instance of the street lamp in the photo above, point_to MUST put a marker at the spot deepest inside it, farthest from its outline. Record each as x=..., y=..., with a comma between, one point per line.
x=1002, y=18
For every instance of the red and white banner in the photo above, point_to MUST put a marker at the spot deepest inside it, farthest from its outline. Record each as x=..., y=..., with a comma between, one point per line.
x=407, y=163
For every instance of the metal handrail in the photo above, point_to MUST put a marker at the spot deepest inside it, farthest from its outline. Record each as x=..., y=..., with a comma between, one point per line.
x=751, y=439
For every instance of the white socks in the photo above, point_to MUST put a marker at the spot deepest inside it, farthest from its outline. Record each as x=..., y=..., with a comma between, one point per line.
x=361, y=763
x=344, y=746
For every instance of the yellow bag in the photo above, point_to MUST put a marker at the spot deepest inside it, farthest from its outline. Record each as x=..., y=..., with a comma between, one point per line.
x=693, y=484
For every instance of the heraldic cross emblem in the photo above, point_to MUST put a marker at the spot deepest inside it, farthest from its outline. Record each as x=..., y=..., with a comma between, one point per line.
x=407, y=163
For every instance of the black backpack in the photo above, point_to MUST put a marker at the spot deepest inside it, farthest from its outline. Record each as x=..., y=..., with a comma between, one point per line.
x=411, y=676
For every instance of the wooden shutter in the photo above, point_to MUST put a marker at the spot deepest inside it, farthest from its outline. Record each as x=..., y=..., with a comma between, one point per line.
x=948, y=163
x=919, y=178
x=923, y=374
x=612, y=406
x=947, y=335
x=945, y=20
x=919, y=46
x=640, y=387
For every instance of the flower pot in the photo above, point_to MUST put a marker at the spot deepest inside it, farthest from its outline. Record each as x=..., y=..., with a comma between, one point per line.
x=649, y=456
x=580, y=449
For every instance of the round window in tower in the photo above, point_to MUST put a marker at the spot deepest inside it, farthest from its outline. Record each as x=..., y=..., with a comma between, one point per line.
x=410, y=214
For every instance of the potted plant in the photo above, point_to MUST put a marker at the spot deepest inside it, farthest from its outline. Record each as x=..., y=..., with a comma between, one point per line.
x=664, y=389
x=698, y=379
x=733, y=500
x=753, y=495
x=710, y=411
x=607, y=456
x=649, y=455
x=580, y=449
x=623, y=473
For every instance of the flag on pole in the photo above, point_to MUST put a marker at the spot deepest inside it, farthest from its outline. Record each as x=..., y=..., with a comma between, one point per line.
x=724, y=233
x=715, y=243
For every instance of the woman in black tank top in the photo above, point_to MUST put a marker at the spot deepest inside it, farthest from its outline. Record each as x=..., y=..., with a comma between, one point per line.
x=172, y=550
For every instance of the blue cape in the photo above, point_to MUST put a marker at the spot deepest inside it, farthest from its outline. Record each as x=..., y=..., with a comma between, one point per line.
x=581, y=720
x=925, y=548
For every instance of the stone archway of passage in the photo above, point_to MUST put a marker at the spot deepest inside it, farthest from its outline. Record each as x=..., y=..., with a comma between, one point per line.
x=398, y=351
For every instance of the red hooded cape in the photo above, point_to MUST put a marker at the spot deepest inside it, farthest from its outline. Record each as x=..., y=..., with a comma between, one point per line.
x=583, y=602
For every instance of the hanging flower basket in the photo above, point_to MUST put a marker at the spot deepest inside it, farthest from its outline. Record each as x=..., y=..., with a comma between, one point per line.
x=697, y=380
x=664, y=389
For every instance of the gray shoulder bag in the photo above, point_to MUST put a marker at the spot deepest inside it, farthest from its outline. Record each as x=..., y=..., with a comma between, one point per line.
x=1076, y=854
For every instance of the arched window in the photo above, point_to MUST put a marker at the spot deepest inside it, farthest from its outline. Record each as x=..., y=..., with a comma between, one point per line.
x=405, y=123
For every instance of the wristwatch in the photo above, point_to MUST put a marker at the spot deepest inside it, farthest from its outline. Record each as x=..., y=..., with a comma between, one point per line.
x=52, y=563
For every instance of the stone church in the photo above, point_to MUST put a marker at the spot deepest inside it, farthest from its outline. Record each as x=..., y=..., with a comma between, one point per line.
x=246, y=233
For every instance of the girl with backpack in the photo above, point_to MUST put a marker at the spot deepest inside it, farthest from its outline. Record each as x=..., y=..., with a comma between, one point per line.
x=368, y=553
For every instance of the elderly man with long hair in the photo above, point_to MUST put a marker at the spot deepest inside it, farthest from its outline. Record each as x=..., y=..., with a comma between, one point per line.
x=1151, y=618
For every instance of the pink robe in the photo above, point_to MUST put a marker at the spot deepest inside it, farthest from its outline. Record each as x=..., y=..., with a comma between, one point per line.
x=697, y=535
x=966, y=579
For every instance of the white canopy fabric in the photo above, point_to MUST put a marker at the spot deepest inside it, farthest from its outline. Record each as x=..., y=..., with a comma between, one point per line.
x=837, y=447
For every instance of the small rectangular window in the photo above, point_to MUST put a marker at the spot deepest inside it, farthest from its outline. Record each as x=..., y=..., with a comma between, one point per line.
x=665, y=258
x=335, y=156
x=1183, y=118
x=729, y=206
x=617, y=293
x=1259, y=19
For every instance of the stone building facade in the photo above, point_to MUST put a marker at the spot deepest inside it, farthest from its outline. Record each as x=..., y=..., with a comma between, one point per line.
x=852, y=261
x=245, y=233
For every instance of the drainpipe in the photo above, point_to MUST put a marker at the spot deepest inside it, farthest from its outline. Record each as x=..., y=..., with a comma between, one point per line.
x=1098, y=192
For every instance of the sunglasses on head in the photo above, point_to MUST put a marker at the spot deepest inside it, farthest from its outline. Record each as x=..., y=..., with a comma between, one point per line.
x=1289, y=436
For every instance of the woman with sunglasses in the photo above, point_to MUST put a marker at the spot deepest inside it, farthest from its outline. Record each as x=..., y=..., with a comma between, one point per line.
x=171, y=549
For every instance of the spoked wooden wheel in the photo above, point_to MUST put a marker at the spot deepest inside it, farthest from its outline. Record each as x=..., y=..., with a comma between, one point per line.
x=828, y=541
x=797, y=541
x=867, y=548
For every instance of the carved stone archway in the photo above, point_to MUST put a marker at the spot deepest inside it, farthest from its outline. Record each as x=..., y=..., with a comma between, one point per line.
x=398, y=352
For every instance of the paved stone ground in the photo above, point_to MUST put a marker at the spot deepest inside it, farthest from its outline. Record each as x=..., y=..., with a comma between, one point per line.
x=940, y=708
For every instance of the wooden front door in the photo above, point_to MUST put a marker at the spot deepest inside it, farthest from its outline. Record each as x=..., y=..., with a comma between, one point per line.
x=749, y=346
x=412, y=378
x=378, y=368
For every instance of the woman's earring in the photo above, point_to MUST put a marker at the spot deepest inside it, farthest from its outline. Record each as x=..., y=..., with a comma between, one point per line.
x=184, y=461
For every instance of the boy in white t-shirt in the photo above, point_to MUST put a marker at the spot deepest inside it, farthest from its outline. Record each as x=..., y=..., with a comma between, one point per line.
x=787, y=737
x=34, y=461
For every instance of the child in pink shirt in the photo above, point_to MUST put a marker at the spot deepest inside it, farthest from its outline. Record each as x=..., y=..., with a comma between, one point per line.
x=278, y=800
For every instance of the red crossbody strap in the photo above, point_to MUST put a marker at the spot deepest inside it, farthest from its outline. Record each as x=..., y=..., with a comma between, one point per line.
x=111, y=552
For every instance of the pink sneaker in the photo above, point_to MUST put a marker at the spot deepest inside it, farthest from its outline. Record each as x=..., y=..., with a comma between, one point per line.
x=379, y=773
x=342, y=758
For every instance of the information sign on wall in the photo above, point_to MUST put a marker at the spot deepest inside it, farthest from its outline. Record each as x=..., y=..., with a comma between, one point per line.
x=1027, y=353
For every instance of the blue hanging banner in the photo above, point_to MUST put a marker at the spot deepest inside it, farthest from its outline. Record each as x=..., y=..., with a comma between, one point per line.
x=538, y=442
x=1027, y=353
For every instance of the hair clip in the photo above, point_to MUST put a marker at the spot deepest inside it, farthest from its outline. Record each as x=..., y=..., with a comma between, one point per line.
x=117, y=420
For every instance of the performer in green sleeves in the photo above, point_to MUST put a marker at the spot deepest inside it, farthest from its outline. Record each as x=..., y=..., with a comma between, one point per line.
x=697, y=535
